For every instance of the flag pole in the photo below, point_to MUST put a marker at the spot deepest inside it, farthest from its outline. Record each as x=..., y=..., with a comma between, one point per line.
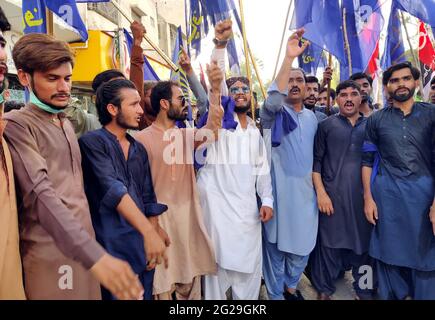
x=245, y=45
x=147, y=39
x=402, y=17
x=328, y=90
x=282, y=38
x=50, y=22
x=346, y=42
x=254, y=63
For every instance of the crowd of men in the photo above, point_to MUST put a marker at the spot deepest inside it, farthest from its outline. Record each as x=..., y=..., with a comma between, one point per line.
x=137, y=204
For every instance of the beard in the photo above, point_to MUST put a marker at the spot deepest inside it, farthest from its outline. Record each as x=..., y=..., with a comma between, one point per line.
x=402, y=97
x=242, y=109
x=176, y=115
x=120, y=121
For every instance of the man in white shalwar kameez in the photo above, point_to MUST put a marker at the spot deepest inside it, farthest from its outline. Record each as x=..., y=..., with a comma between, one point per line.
x=236, y=168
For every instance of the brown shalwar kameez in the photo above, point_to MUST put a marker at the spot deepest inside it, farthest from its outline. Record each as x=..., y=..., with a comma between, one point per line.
x=11, y=278
x=57, y=239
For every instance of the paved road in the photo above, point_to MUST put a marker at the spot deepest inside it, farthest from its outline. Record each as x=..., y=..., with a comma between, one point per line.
x=344, y=289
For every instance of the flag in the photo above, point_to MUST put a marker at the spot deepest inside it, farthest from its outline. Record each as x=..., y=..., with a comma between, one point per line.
x=394, y=51
x=322, y=21
x=180, y=75
x=364, y=22
x=34, y=16
x=35, y=19
x=373, y=65
x=206, y=12
x=311, y=58
x=422, y=9
x=148, y=71
x=426, y=52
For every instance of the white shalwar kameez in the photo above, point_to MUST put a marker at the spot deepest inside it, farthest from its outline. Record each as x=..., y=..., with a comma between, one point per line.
x=236, y=167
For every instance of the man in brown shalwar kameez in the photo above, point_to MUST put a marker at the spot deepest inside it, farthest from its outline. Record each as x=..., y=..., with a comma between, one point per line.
x=61, y=258
x=11, y=278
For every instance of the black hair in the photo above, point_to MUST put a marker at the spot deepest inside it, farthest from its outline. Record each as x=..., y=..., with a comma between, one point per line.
x=312, y=79
x=362, y=75
x=302, y=71
x=109, y=93
x=13, y=105
x=4, y=23
x=104, y=77
x=162, y=90
x=331, y=92
x=348, y=84
x=386, y=76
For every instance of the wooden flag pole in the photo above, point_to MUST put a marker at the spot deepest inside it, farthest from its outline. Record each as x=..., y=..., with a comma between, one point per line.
x=263, y=91
x=328, y=90
x=49, y=22
x=346, y=42
x=245, y=45
x=282, y=39
x=147, y=39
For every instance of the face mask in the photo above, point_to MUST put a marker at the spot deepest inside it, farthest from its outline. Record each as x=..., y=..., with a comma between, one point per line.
x=41, y=105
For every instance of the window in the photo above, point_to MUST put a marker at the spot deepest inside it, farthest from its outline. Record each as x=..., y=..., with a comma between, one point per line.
x=107, y=10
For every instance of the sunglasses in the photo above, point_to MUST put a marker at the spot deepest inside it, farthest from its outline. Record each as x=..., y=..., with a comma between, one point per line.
x=236, y=90
x=182, y=99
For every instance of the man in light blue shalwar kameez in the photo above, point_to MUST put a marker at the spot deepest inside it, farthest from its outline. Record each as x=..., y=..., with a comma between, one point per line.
x=290, y=236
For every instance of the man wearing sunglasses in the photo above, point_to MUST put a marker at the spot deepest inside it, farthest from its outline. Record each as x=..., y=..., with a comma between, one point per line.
x=236, y=168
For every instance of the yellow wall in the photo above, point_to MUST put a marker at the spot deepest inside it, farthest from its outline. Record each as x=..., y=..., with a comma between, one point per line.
x=94, y=59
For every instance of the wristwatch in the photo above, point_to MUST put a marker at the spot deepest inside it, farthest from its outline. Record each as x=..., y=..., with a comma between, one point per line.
x=218, y=42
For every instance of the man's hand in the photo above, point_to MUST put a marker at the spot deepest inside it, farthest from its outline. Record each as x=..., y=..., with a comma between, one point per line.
x=138, y=31
x=185, y=63
x=432, y=217
x=155, y=249
x=325, y=204
x=293, y=48
x=370, y=210
x=266, y=213
x=223, y=31
x=118, y=277
x=162, y=233
x=215, y=76
x=327, y=76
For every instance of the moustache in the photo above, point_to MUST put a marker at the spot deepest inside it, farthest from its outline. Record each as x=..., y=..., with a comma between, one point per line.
x=60, y=95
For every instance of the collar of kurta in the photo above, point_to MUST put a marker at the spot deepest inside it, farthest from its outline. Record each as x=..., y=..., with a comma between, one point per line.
x=44, y=114
x=115, y=138
x=359, y=120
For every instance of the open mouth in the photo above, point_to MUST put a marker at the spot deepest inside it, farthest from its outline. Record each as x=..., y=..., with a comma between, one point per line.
x=295, y=91
x=402, y=91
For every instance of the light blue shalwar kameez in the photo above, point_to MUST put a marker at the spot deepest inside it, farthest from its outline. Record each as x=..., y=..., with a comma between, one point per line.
x=290, y=236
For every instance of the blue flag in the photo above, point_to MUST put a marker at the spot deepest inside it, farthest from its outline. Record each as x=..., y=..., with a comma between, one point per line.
x=180, y=75
x=322, y=21
x=394, y=51
x=34, y=16
x=68, y=12
x=422, y=9
x=206, y=12
x=148, y=71
x=310, y=60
